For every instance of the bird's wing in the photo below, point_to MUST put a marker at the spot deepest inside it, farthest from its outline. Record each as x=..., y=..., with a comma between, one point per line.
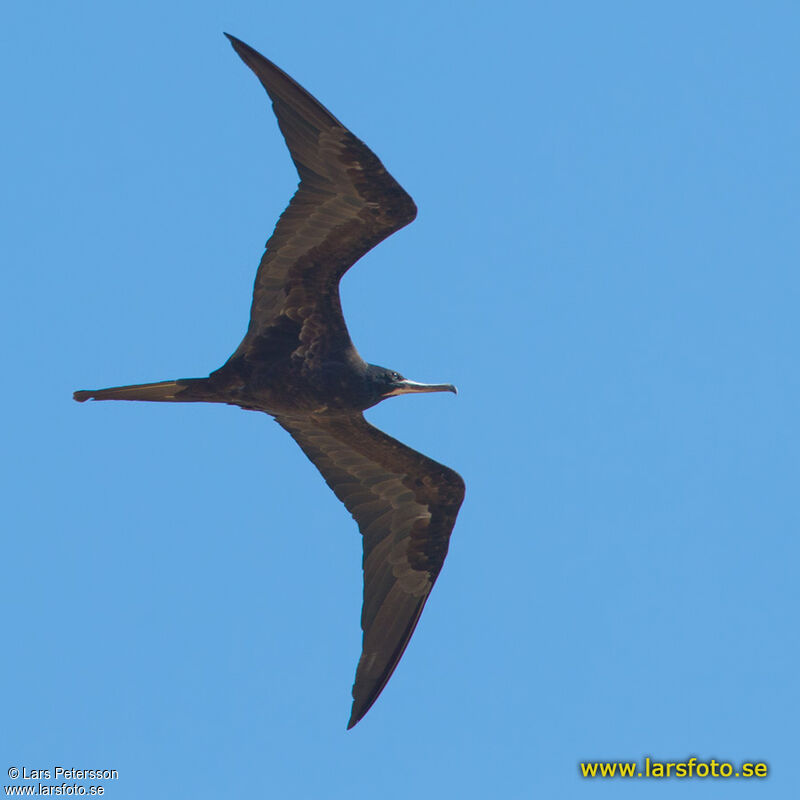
x=405, y=505
x=346, y=203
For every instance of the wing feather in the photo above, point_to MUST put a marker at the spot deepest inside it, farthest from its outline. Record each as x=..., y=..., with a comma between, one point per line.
x=346, y=204
x=405, y=505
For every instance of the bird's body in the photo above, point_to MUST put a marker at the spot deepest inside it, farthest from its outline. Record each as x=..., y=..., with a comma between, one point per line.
x=297, y=363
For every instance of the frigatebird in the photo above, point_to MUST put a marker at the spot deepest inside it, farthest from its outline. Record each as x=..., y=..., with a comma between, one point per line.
x=298, y=364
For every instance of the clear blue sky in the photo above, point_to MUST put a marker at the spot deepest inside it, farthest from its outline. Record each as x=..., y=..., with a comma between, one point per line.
x=606, y=262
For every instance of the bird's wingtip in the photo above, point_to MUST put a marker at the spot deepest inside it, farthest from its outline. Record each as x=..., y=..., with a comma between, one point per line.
x=244, y=51
x=238, y=44
x=81, y=395
x=359, y=710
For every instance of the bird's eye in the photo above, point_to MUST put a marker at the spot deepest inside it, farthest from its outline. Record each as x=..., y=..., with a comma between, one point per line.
x=395, y=376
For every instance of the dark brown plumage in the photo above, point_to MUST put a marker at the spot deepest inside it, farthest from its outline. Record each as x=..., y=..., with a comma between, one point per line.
x=297, y=363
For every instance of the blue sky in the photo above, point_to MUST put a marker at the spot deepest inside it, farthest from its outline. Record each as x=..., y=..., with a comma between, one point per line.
x=605, y=262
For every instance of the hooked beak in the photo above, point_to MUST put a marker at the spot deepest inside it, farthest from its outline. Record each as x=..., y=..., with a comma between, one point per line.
x=411, y=387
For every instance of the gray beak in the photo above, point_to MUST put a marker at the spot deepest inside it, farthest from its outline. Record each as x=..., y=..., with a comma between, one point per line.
x=412, y=387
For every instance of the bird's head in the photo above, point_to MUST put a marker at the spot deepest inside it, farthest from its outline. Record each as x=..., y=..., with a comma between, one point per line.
x=387, y=383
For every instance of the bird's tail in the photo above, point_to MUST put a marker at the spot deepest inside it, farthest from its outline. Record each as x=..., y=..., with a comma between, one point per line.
x=184, y=390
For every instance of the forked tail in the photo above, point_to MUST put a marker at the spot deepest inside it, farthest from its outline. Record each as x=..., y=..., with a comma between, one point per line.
x=180, y=391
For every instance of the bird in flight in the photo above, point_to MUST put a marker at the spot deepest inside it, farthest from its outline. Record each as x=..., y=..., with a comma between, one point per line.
x=297, y=363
